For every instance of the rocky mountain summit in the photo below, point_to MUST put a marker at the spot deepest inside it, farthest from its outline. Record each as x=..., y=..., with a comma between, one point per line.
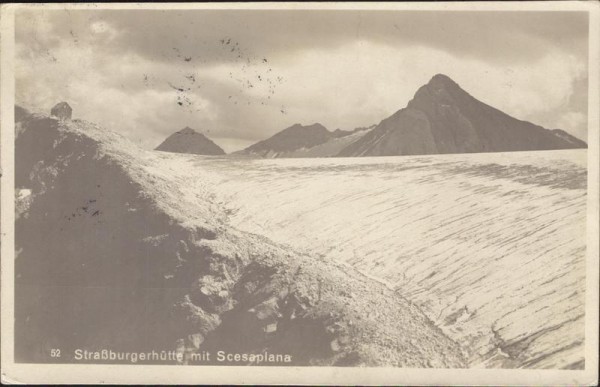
x=188, y=140
x=443, y=118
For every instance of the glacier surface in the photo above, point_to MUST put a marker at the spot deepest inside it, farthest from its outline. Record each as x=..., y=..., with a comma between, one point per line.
x=490, y=246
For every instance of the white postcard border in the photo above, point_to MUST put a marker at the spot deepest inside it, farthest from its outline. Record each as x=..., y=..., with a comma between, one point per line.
x=145, y=374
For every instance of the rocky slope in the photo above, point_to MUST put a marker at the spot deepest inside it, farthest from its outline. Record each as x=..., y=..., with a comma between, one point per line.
x=117, y=250
x=443, y=118
x=188, y=140
x=304, y=141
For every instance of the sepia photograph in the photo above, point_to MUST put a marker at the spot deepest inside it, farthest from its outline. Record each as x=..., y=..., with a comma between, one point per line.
x=330, y=193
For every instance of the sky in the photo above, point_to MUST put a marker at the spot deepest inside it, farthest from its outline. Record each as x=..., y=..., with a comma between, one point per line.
x=240, y=76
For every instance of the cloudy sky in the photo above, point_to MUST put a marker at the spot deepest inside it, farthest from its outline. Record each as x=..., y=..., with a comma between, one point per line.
x=241, y=76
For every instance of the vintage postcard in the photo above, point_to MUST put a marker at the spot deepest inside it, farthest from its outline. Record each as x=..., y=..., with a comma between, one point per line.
x=288, y=193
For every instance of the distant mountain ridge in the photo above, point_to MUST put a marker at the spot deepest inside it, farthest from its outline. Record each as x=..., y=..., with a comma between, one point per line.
x=304, y=141
x=188, y=140
x=290, y=139
x=443, y=118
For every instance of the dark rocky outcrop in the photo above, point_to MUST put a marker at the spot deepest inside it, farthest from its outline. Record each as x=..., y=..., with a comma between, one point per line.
x=443, y=118
x=188, y=140
x=62, y=111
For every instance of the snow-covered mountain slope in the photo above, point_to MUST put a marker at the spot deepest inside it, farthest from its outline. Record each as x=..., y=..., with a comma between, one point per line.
x=124, y=249
x=491, y=246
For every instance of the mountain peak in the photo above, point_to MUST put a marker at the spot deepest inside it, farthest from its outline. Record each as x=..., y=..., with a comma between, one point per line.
x=187, y=130
x=440, y=89
x=441, y=78
x=197, y=144
x=439, y=81
x=292, y=138
x=443, y=118
x=315, y=126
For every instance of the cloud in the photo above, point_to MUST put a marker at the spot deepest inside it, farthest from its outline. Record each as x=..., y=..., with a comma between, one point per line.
x=243, y=76
x=505, y=37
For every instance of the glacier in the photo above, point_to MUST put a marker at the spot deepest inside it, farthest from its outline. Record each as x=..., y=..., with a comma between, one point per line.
x=490, y=246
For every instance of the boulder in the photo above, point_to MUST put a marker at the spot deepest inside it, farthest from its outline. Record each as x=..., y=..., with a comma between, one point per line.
x=62, y=111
